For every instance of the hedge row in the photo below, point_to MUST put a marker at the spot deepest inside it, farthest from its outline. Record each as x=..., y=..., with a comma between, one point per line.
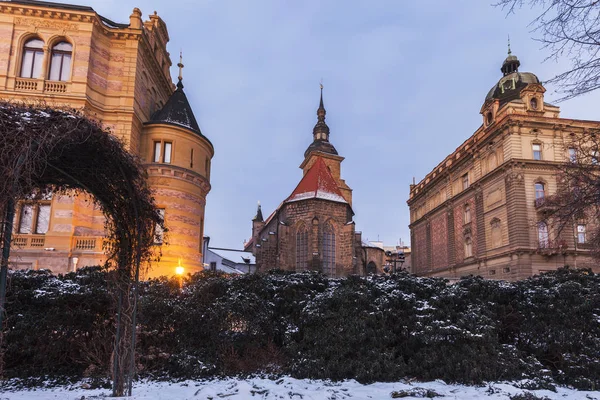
x=305, y=325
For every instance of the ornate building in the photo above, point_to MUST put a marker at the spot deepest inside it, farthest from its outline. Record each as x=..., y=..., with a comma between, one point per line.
x=480, y=211
x=70, y=56
x=312, y=229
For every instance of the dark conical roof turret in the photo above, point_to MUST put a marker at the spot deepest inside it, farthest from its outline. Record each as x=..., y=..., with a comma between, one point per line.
x=259, y=215
x=177, y=110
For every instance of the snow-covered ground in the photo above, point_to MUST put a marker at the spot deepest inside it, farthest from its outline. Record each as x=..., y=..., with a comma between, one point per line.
x=295, y=389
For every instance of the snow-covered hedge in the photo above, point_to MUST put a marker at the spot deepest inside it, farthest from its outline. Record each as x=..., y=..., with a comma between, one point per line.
x=305, y=325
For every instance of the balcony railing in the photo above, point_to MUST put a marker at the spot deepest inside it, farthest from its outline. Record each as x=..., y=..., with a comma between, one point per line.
x=46, y=86
x=549, y=247
x=544, y=203
x=80, y=244
x=26, y=84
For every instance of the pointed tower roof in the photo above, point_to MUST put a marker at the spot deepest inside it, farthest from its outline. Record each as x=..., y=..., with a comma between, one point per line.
x=177, y=110
x=317, y=183
x=259, y=215
x=321, y=133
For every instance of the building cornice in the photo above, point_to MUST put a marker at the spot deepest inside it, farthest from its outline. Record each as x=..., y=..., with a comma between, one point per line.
x=179, y=173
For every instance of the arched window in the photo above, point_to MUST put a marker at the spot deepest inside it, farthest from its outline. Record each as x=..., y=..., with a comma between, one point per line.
x=371, y=268
x=328, y=249
x=302, y=248
x=543, y=235
x=496, y=227
x=60, y=63
x=31, y=63
x=540, y=193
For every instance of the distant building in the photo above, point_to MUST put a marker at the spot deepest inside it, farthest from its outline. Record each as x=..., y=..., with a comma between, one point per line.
x=119, y=73
x=480, y=211
x=230, y=261
x=313, y=228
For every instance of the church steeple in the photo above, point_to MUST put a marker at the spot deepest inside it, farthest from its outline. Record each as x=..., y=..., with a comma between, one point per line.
x=321, y=133
x=321, y=130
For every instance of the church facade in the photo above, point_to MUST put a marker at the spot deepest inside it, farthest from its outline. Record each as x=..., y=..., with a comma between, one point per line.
x=481, y=210
x=313, y=228
x=118, y=73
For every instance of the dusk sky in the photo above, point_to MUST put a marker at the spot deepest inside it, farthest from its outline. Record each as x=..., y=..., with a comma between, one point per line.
x=404, y=83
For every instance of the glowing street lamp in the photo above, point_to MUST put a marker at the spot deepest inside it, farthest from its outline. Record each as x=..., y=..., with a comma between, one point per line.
x=179, y=270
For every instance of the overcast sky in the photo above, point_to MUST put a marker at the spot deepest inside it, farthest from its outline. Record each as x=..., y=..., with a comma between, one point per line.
x=404, y=83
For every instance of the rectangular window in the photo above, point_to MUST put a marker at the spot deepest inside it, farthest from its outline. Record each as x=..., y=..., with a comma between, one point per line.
x=465, y=181
x=580, y=233
x=213, y=266
x=43, y=219
x=572, y=155
x=26, y=218
x=537, y=151
x=167, y=152
x=159, y=232
x=157, y=146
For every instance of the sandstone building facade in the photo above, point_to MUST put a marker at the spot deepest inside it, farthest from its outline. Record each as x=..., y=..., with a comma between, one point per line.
x=313, y=228
x=70, y=56
x=481, y=210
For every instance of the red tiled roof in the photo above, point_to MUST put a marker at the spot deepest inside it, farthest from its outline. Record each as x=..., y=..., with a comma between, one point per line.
x=317, y=183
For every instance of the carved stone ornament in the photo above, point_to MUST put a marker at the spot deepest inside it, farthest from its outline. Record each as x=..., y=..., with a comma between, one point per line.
x=44, y=23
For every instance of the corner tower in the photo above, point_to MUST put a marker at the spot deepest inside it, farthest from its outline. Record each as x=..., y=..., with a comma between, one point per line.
x=322, y=148
x=178, y=157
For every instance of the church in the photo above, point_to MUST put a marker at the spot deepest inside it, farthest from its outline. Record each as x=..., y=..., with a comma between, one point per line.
x=313, y=228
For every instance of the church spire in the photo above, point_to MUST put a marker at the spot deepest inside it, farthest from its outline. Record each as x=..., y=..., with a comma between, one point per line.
x=259, y=216
x=321, y=130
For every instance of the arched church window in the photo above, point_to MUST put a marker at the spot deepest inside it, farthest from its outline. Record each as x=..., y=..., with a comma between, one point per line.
x=31, y=63
x=329, y=249
x=60, y=63
x=302, y=248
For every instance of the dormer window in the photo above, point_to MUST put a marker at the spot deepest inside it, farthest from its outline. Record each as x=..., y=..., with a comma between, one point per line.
x=489, y=118
x=533, y=103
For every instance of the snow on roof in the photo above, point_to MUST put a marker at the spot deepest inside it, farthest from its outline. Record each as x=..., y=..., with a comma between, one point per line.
x=237, y=256
x=317, y=184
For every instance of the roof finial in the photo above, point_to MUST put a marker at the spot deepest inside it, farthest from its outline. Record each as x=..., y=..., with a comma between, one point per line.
x=180, y=65
x=509, y=52
x=321, y=111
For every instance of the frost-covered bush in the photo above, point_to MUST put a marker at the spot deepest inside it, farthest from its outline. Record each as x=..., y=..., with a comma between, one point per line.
x=545, y=329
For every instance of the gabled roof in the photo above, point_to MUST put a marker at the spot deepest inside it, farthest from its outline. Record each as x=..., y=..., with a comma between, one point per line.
x=317, y=183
